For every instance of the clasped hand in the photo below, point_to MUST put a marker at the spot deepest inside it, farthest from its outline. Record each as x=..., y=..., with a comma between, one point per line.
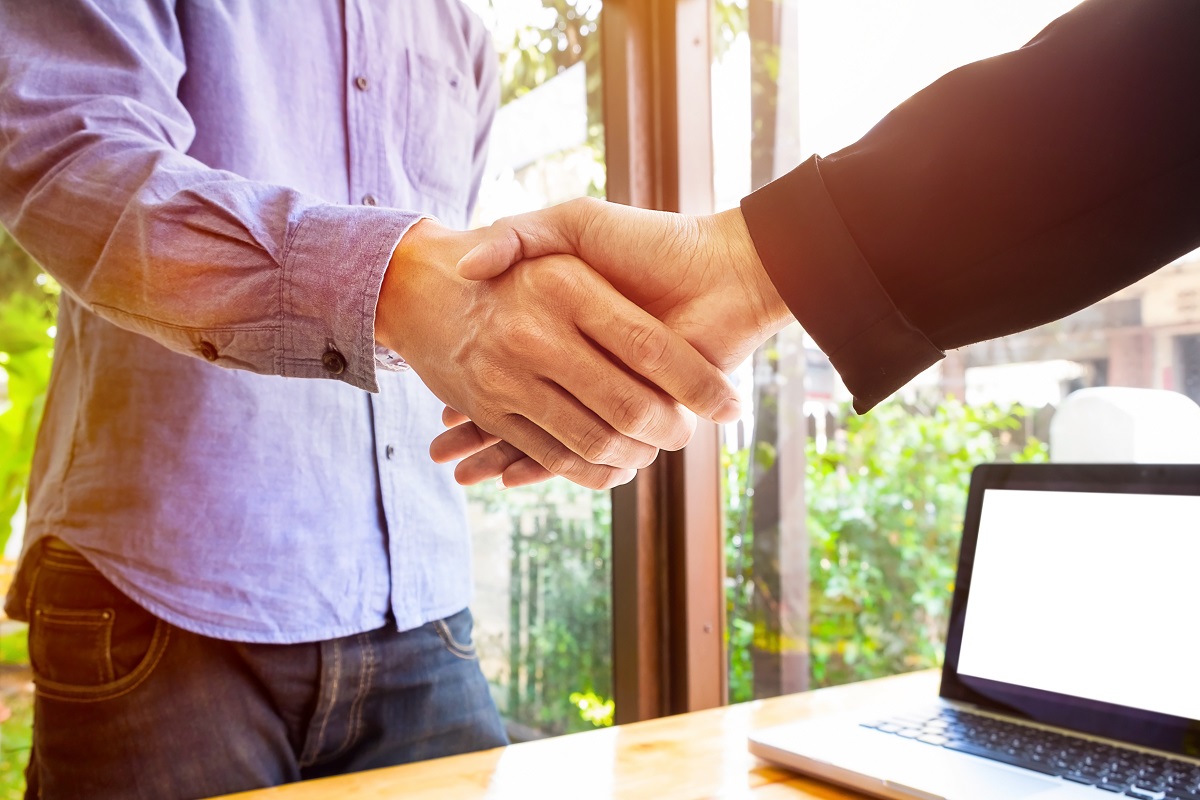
x=570, y=341
x=549, y=358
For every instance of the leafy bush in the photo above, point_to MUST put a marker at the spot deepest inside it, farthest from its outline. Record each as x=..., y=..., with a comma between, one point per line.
x=885, y=505
x=885, y=502
x=551, y=669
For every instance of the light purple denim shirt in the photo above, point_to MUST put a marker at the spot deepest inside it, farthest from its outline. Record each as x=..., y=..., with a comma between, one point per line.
x=218, y=186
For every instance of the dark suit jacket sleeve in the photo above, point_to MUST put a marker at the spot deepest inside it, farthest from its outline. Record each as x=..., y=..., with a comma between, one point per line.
x=1009, y=193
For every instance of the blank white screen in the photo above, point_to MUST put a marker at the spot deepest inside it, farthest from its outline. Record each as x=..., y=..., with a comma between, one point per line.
x=1089, y=595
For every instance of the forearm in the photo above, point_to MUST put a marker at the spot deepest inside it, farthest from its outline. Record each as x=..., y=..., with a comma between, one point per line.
x=1068, y=167
x=96, y=184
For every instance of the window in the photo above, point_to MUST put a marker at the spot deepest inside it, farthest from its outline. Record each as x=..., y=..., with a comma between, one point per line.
x=841, y=530
x=543, y=609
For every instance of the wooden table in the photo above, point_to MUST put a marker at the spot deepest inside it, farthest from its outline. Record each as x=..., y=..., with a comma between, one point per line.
x=685, y=757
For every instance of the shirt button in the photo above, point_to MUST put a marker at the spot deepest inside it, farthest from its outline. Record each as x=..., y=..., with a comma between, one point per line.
x=389, y=451
x=333, y=362
x=209, y=351
x=361, y=83
x=369, y=200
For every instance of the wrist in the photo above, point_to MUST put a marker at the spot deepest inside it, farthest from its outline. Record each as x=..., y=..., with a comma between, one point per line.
x=763, y=307
x=415, y=285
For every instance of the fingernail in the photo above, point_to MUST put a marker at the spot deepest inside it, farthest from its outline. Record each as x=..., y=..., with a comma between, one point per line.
x=729, y=411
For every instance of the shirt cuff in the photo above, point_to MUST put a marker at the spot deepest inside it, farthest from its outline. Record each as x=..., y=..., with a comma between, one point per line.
x=389, y=360
x=333, y=270
x=820, y=273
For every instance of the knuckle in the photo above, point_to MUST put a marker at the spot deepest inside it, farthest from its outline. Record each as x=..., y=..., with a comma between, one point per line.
x=521, y=334
x=487, y=413
x=559, y=461
x=598, y=445
x=648, y=347
x=557, y=280
x=635, y=415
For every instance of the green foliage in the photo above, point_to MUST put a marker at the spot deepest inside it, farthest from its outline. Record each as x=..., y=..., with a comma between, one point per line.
x=562, y=34
x=559, y=643
x=596, y=710
x=14, y=646
x=885, y=504
x=16, y=709
x=737, y=495
x=27, y=310
x=16, y=736
x=730, y=17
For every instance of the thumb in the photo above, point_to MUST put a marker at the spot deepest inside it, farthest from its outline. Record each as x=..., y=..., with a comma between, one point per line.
x=491, y=257
x=529, y=235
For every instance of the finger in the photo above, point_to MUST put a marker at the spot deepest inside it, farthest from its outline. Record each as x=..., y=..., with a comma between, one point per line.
x=609, y=398
x=460, y=441
x=490, y=463
x=566, y=414
x=526, y=471
x=558, y=459
x=492, y=256
x=654, y=351
x=574, y=375
x=512, y=466
x=451, y=417
x=523, y=236
x=590, y=376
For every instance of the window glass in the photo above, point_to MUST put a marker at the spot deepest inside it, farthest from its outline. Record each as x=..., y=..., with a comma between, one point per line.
x=842, y=530
x=542, y=603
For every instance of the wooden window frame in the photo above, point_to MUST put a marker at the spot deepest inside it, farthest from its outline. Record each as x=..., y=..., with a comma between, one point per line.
x=668, y=554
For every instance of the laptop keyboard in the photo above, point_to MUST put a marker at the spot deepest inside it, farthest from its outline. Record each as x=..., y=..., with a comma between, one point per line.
x=1108, y=767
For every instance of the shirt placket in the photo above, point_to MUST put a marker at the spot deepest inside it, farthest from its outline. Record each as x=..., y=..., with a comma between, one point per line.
x=367, y=101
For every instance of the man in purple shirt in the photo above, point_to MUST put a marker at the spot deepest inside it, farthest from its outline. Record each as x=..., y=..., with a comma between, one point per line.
x=241, y=567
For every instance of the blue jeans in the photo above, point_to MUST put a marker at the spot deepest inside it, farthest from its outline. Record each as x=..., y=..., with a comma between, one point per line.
x=129, y=706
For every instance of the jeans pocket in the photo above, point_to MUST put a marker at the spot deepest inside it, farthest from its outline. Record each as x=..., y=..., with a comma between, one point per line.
x=87, y=640
x=72, y=646
x=455, y=633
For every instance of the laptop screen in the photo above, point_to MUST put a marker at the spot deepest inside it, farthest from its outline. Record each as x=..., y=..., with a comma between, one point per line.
x=1076, y=600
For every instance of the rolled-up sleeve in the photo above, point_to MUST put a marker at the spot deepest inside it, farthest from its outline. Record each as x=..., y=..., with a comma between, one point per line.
x=1009, y=193
x=96, y=183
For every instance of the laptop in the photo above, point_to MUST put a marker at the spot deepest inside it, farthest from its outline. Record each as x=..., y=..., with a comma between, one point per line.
x=1072, y=664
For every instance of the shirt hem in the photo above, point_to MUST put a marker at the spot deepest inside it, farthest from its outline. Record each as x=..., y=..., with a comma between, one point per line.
x=409, y=622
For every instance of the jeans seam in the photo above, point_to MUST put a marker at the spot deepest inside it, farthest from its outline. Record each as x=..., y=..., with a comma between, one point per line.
x=313, y=751
x=360, y=699
x=465, y=652
x=32, y=585
x=72, y=694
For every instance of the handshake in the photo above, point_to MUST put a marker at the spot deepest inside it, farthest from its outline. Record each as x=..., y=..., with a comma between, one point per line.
x=579, y=340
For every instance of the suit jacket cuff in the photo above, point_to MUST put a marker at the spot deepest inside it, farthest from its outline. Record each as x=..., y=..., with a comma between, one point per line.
x=820, y=273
